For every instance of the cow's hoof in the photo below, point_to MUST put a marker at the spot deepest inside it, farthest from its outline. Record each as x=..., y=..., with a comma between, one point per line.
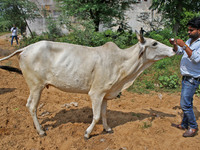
x=86, y=136
x=109, y=131
x=42, y=134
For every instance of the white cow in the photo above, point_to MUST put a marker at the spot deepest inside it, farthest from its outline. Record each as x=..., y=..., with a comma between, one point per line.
x=101, y=72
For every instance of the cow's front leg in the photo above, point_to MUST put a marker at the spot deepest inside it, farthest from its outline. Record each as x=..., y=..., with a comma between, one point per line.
x=104, y=117
x=96, y=108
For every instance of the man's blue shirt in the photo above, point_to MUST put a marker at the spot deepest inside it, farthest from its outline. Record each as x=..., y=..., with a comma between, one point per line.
x=190, y=66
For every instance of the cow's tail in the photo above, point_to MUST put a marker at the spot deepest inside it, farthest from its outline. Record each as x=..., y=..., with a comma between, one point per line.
x=13, y=54
x=8, y=68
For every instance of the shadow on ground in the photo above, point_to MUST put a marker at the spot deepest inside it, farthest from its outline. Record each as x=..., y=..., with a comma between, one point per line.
x=115, y=118
x=6, y=90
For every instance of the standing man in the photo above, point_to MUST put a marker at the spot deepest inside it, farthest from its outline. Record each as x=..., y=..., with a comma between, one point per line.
x=190, y=70
x=14, y=34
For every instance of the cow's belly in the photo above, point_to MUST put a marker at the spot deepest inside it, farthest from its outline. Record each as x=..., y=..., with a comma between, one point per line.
x=70, y=85
x=70, y=81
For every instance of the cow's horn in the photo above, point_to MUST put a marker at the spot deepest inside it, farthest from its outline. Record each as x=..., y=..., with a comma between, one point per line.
x=142, y=36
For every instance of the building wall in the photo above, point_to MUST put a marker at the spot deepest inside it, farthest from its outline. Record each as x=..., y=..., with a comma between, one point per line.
x=139, y=10
x=46, y=7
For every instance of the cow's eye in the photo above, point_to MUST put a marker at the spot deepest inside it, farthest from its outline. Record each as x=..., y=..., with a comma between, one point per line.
x=155, y=43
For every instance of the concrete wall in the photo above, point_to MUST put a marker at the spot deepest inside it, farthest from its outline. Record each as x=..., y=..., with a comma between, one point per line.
x=39, y=25
x=140, y=9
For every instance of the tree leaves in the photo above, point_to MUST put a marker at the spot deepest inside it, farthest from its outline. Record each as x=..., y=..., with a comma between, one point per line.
x=173, y=10
x=99, y=11
x=17, y=11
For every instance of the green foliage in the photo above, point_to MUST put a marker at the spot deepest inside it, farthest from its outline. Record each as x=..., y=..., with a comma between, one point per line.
x=174, y=11
x=4, y=24
x=171, y=81
x=149, y=84
x=17, y=12
x=29, y=40
x=89, y=37
x=146, y=125
x=162, y=36
x=99, y=11
x=198, y=91
x=53, y=29
x=99, y=38
x=188, y=15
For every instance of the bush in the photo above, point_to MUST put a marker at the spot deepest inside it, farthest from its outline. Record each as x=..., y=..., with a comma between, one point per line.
x=5, y=25
x=162, y=36
x=198, y=91
x=29, y=40
x=93, y=39
x=171, y=82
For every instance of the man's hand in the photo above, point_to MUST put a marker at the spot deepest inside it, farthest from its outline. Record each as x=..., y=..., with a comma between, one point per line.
x=180, y=42
x=173, y=42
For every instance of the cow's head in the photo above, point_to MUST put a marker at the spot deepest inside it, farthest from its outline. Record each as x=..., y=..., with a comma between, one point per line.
x=152, y=49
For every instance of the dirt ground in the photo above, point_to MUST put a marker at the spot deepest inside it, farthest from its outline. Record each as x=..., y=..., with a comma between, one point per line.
x=139, y=122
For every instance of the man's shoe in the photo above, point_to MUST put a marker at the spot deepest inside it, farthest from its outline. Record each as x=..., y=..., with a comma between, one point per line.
x=179, y=126
x=190, y=132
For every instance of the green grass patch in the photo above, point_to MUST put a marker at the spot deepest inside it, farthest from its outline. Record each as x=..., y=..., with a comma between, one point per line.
x=146, y=125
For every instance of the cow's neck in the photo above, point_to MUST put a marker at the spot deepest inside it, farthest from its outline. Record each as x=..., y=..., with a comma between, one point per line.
x=134, y=62
x=134, y=65
x=131, y=66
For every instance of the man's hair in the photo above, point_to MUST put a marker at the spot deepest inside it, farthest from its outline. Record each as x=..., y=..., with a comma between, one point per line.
x=194, y=23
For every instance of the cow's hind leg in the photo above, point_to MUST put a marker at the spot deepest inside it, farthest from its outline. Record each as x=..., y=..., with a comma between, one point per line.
x=104, y=117
x=32, y=104
x=96, y=108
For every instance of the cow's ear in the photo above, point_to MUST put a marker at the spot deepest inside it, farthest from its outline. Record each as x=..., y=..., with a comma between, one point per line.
x=142, y=50
x=140, y=36
x=137, y=35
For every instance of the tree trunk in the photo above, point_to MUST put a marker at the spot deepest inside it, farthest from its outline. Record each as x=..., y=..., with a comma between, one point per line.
x=176, y=28
x=23, y=14
x=178, y=18
x=29, y=28
x=96, y=20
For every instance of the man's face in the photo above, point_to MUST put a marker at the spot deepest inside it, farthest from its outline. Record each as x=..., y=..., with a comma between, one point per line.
x=193, y=33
